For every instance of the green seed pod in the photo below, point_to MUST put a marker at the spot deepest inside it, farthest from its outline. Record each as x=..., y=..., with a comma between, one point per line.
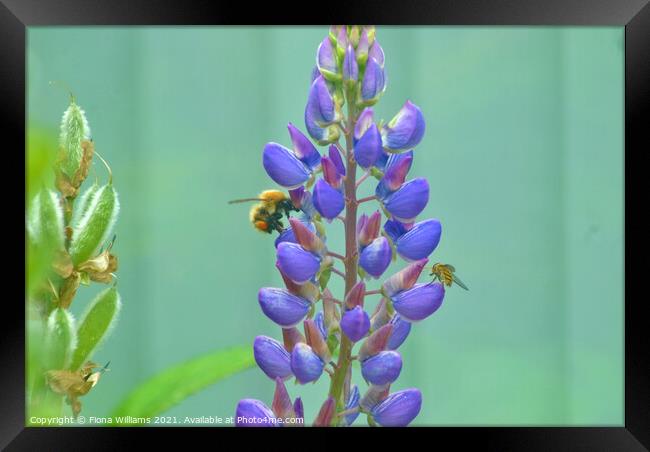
x=95, y=225
x=45, y=220
x=82, y=204
x=60, y=339
x=74, y=130
x=95, y=325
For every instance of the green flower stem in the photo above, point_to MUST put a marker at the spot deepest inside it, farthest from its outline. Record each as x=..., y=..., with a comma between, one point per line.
x=351, y=254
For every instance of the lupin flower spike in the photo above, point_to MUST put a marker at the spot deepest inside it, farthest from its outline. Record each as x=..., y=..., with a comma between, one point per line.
x=350, y=69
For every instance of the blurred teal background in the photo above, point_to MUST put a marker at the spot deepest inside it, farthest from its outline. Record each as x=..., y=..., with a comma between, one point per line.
x=524, y=153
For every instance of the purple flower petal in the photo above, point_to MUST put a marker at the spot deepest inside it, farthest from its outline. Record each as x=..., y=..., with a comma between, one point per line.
x=271, y=356
x=304, y=150
x=326, y=60
x=419, y=302
x=363, y=123
x=350, y=66
x=420, y=240
x=376, y=53
x=320, y=103
x=396, y=169
x=405, y=130
x=375, y=258
x=374, y=81
x=355, y=323
x=296, y=263
x=352, y=402
x=283, y=166
x=395, y=229
x=409, y=201
x=305, y=364
x=399, y=408
x=401, y=330
x=383, y=368
x=331, y=173
x=328, y=201
x=283, y=307
x=405, y=278
x=253, y=413
x=368, y=149
x=335, y=157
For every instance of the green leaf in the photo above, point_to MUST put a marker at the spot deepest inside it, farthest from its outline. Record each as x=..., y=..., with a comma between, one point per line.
x=171, y=386
x=95, y=325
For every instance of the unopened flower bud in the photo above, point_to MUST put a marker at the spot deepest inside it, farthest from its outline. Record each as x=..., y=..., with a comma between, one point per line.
x=350, y=66
x=355, y=323
x=382, y=368
x=253, y=413
x=305, y=364
x=271, y=357
x=326, y=61
x=405, y=278
x=374, y=82
x=368, y=228
x=368, y=149
x=283, y=307
x=291, y=336
x=282, y=406
x=326, y=413
x=316, y=340
x=96, y=225
x=398, y=409
x=419, y=302
x=355, y=296
x=74, y=130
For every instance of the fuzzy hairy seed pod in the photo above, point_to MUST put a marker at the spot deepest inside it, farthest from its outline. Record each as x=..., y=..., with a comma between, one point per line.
x=60, y=339
x=96, y=225
x=74, y=130
x=95, y=325
x=45, y=220
x=82, y=204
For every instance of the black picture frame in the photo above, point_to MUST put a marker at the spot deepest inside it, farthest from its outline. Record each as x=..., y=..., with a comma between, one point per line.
x=634, y=15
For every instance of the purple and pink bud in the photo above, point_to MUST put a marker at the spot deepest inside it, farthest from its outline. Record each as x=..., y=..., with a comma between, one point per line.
x=326, y=413
x=290, y=337
x=405, y=278
x=335, y=157
x=355, y=297
x=316, y=340
x=331, y=173
x=368, y=228
x=376, y=342
x=305, y=237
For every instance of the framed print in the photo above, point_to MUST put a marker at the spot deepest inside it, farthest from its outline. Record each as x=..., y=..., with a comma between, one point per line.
x=421, y=223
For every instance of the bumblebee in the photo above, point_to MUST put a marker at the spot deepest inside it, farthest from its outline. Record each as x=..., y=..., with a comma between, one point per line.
x=266, y=215
x=445, y=274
